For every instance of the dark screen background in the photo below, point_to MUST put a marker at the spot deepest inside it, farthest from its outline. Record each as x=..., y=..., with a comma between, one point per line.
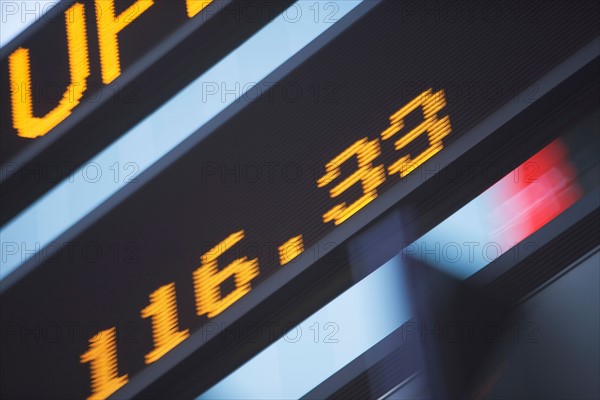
x=50, y=61
x=157, y=235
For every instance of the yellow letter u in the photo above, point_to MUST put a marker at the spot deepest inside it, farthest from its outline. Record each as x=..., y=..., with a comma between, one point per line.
x=26, y=124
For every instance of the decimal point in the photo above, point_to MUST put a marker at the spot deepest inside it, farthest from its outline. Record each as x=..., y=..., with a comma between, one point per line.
x=290, y=249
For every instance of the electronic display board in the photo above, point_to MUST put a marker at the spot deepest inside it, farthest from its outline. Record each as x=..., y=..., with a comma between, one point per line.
x=92, y=43
x=87, y=62
x=393, y=91
x=549, y=183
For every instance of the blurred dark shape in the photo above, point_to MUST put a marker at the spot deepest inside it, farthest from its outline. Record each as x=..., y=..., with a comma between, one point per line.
x=459, y=325
x=553, y=350
x=545, y=347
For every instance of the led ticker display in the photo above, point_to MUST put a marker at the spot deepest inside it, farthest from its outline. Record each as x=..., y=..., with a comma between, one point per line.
x=211, y=300
x=90, y=61
x=267, y=186
x=84, y=27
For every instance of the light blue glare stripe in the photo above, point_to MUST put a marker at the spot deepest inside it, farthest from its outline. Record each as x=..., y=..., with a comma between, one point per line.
x=19, y=15
x=293, y=365
x=463, y=243
x=160, y=132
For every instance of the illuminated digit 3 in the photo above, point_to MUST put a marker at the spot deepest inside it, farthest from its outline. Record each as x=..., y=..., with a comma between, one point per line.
x=436, y=130
x=367, y=175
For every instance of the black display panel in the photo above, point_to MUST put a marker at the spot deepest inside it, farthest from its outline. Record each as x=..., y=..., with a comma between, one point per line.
x=76, y=80
x=163, y=259
x=78, y=48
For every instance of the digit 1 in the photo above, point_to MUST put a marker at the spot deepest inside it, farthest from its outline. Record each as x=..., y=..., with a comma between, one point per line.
x=102, y=357
x=165, y=323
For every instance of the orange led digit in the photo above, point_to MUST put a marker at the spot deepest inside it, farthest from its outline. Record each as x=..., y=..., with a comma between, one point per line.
x=193, y=7
x=25, y=123
x=210, y=300
x=208, y=278
x=165, y=323
x=102, y=357
x=369, y=176
x=109, y=26
x=435, y=128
